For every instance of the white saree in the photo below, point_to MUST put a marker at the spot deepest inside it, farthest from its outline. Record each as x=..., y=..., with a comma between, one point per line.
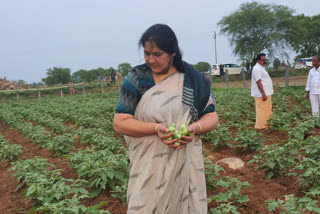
x=164, y=180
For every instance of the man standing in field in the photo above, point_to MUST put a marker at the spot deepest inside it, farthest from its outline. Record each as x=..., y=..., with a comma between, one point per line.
x=313, y=86
x=113, y=77
x=71, y=88
x=119, y=77
x=261, y=89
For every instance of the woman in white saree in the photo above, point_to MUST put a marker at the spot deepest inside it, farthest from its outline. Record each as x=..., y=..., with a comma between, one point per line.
x=165, y=177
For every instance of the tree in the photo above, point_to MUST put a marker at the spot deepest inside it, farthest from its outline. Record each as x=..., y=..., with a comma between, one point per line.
x=83, y=76
x=99, y=73
x=57, y=76
x=257, y=27
x=124, y=68
x=202, y=66
x=310, y=44
x=91, y=75
x=276, y=63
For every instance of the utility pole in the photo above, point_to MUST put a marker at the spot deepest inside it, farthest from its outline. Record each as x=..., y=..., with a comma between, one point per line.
x=215, y=46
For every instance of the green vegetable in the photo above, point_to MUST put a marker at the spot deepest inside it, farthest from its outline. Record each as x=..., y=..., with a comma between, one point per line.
x=184, y=130
x=177, y=135
x=184, y=126
x=172, y=127
x=172, y=124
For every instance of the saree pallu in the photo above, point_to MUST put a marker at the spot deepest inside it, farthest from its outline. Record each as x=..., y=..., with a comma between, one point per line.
x=164, y=180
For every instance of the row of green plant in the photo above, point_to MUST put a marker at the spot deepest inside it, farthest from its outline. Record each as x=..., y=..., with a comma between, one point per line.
x=229, y=197
x=58, y=145
x=102, y=169
x=52, y=193
x=9, y=151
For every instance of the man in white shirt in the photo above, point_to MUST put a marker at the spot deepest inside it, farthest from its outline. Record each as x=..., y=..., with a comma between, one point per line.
x=313, y=86
x=261, y=90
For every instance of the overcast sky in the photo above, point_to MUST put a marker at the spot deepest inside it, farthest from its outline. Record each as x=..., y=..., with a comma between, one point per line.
x=39, y=34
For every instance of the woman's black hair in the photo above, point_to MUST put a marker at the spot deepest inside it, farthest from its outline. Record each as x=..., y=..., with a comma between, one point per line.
x=166, y=40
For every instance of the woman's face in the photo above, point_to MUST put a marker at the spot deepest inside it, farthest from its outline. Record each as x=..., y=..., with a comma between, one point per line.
x=158, y=60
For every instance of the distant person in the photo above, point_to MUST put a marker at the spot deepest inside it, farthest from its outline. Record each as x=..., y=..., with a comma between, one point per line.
x=261, y=89
x=313, y=86
x=283, y=65
x=221, y=70
x=71, y=88
x=106, y=80
x=248, y=66
x=288, y=64
x=113, y=77
x=119, y=77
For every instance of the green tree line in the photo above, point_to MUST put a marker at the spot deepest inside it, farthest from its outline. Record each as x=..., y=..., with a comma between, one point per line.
x=57, y=75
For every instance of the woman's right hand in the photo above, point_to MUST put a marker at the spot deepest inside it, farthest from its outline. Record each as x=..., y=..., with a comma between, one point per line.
x=162, y=132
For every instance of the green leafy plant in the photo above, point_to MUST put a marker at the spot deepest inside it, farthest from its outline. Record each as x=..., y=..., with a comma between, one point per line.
x=293, y=205
x=230, y=198
x=248, y=140
x=219, y=136
x=309, y=173
x=301, y=129
x=274, y=160
x=102, y=169
x=60, y=145
x=52, y=192
x=9, y=152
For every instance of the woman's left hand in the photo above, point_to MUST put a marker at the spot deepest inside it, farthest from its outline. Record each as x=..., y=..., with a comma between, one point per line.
x=184, y=140
x=193, y=130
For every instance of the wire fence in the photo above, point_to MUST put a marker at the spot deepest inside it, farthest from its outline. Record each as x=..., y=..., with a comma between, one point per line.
x=281, y=77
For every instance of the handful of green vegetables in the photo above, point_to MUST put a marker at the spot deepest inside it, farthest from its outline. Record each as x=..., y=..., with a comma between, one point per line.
x=178, y=133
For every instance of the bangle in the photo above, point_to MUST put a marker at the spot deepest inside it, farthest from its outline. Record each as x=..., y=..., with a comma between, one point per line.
x=200, y=128
x=156, y=128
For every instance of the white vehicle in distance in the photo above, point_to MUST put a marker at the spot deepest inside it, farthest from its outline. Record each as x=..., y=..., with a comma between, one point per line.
x=232, y=69
x=303, y=63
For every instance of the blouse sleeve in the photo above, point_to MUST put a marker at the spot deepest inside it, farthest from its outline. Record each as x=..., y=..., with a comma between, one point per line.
x=210, y=105
x=129, y=97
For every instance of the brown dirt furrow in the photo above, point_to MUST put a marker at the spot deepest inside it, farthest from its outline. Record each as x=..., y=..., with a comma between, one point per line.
x=11, y=201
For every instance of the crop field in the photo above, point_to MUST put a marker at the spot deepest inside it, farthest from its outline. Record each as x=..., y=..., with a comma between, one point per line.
x=61, y=155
